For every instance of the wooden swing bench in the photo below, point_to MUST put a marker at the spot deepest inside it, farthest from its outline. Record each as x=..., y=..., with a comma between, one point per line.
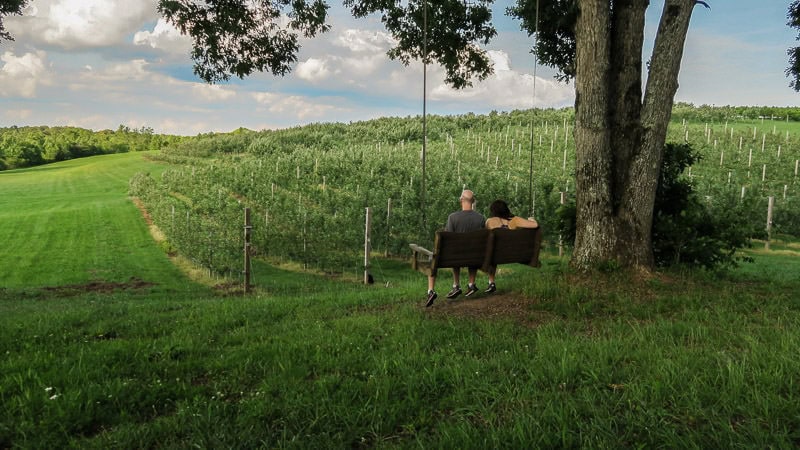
x=484, y=249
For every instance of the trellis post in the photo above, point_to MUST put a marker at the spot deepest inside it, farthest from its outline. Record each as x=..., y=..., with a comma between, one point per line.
x=560, y=240
x=769, y=221
x=388, y=225
x=247, y=231
x=367, y=227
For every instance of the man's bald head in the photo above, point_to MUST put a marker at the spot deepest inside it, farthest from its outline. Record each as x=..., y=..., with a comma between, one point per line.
x=467, y=199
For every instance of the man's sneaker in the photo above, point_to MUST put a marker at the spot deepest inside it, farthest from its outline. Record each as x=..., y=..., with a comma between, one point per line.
x=455, y=292
x=492, y=287
x=471, y=289
x=431, y=297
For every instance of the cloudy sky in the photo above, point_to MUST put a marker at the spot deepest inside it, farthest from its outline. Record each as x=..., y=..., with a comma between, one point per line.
x=101, y=63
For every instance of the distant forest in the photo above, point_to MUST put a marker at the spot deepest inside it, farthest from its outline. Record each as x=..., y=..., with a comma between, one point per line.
x=36, y=145
x=33, y=146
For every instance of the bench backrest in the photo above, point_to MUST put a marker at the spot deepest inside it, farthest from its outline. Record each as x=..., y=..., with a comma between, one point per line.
x=514, y=246
x=481, y=249
x=460, y=249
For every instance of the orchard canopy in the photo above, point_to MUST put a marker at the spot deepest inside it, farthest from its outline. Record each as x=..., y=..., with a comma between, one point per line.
x=620, y=130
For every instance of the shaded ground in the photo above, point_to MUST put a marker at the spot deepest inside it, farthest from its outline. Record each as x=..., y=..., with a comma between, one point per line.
x=105, y=287
x=509, y=307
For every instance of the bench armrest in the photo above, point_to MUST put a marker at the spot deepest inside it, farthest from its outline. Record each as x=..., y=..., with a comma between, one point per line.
x=420, y=255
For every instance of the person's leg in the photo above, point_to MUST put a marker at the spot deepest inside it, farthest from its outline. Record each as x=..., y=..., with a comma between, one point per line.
x=473, y=273
x=471, y=288
x=492, y=287
x=431, y=296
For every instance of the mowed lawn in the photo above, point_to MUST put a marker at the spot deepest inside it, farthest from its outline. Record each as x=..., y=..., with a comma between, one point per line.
x=72, y=223
x=682, y=359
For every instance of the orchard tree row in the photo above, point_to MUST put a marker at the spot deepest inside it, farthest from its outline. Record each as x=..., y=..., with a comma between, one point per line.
x=308, y=187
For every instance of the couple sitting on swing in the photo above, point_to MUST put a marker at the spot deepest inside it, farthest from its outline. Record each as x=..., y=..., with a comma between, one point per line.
x=466, y=220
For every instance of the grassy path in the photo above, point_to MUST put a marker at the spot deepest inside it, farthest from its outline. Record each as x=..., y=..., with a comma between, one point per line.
x=72, y=223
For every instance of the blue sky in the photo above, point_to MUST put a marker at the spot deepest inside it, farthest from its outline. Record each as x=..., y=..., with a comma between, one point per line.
x=101, y=63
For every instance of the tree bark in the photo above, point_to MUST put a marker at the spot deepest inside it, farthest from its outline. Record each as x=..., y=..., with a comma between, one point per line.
x=619, y=135
x=594, y=240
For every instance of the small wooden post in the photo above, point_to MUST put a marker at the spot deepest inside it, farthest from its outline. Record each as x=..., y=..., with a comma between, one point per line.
x=560, y=240
x=388, y=225
x=764, y=173
x=367, y=227
x=769, y=221
x=247, y=231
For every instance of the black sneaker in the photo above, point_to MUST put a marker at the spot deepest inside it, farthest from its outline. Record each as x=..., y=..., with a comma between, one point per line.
x=455, y=292
x=431, y=297
x=471, y=289
x=492, y=287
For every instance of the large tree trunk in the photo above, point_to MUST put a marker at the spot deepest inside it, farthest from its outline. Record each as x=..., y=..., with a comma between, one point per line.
x=619, y=136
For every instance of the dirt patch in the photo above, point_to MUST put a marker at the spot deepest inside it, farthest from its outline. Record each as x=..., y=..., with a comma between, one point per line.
x=143, y=210
x=506, y=307
x=98, y=286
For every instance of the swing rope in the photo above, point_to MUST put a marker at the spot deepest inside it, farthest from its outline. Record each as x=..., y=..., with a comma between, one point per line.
x=424, y=108
x=531, y=193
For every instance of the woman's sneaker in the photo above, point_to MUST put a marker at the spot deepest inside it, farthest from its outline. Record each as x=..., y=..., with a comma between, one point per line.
x=471, y=289
x=491, y=288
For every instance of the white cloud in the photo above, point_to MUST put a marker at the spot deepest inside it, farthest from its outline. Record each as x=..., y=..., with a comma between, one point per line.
x=508, y=89
x=74, y=24
x=295, y=106
x=213, y=93
x=313, y=70
x=165, y=37
x=124, y=71
x=21, y=75
x=18, y=114
x=364, y=41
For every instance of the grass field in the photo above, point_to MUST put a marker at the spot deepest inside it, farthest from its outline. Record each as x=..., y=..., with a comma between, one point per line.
x=72, y=223
x=92, y=359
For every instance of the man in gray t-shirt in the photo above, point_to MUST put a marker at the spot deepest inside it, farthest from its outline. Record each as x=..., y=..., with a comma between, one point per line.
x=463, y=221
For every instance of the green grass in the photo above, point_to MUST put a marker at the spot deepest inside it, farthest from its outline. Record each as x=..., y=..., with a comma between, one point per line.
x=704, y=360
x=71, y=223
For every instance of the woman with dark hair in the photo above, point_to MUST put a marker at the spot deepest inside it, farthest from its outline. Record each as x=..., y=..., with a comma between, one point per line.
x=501, y=217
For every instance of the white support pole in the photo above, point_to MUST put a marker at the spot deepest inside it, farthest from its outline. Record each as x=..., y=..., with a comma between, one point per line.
x=743, y=188
x=388, y=225
x=769, y=220
x=367, y=227
x=248, y=227
x=764, y=173
x=560, y=240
